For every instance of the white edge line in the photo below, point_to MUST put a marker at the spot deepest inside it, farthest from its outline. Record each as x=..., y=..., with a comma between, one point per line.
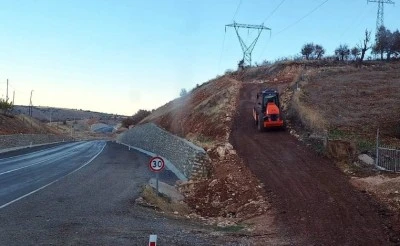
x=41, y=188
x=34, y=164
x=38, y=151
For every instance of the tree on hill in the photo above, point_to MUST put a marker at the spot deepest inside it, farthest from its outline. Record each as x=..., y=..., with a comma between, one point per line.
x=386, y=42
x=183, y=92
x=342, y=52
x=383, y=40
x=396, y=43
x=136, y=118
x=319, y=51
x=308, y=50
x=355, y=51
x=365, y=44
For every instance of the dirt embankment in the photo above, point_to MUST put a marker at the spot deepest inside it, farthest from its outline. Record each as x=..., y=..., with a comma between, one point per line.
x=313, y=201
x=21, y=124
x=205, y=117
x=308, y=199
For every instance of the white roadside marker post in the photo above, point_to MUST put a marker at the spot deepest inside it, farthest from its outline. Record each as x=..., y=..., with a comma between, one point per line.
x=153, y=240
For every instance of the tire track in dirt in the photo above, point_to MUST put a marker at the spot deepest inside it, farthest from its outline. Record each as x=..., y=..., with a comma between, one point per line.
x=313, y=200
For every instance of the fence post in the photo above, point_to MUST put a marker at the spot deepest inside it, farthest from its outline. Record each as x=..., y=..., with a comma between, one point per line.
x=377, y=148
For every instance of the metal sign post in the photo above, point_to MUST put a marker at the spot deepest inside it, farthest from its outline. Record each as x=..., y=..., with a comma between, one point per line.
x=156, y=165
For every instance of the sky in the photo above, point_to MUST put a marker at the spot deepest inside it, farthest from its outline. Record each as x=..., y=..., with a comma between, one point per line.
x=119, y=56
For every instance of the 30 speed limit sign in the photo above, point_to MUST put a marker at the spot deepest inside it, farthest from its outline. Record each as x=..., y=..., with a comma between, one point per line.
x=157, y=164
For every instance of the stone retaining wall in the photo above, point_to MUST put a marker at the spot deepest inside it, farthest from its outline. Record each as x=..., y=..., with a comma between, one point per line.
x=20, y=140
x=188, y=158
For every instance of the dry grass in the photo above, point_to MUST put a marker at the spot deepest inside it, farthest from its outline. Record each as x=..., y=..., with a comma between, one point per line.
x=358, y=99
x=164, y=203
x=308, y=115
x=351, y=103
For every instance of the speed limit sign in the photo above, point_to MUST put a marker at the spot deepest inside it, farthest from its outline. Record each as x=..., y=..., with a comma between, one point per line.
x=157, y=164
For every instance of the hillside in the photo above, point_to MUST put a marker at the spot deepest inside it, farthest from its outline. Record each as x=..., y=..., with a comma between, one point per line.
x=346, y=102
x=21, y=124
x=353, y=103
x=47, y=114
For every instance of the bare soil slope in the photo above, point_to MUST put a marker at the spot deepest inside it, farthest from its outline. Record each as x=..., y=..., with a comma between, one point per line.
x=204, y=116
x=23, y=124
x=314, y=202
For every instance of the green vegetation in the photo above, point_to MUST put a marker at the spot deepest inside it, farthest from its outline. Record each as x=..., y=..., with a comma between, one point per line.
x=136, y=118
x=183, y=92
x=5, y=106
x=233, y=228
x=365, y=145
x=336, y=134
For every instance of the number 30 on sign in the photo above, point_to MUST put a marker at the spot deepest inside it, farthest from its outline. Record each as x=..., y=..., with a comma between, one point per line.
x=157, y=164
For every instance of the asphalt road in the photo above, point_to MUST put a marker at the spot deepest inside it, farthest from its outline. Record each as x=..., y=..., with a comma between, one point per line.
x=88, y=200
x=26, y=174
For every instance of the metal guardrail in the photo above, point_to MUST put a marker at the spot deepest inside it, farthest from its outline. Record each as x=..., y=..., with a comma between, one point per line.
x=387, y=158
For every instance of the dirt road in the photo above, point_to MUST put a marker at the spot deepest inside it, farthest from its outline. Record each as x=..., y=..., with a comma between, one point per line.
x=314, y=202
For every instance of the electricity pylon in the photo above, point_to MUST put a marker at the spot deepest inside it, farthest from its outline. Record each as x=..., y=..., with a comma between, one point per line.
x=247, y=49
x=380, y=16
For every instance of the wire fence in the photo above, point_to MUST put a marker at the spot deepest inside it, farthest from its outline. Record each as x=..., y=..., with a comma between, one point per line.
x=387, y=157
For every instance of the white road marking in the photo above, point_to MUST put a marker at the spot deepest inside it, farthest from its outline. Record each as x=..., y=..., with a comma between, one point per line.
x=41, y=188
x=49, y=157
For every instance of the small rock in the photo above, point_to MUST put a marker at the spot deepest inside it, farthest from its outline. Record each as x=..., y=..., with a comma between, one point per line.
x=221, y=151
x=213, y=183
x=176, y=212
x=366, y=159
x=139, y=200
x=228, y=146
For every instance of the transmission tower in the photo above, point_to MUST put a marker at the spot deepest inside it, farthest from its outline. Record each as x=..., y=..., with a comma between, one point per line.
x=380, y=16
x=247, y=49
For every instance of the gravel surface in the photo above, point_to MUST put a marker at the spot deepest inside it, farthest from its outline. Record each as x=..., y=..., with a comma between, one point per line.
x=95, y=206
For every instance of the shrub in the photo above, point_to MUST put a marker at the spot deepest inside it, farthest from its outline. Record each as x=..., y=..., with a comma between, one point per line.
x=136, y=118
x=5, y=106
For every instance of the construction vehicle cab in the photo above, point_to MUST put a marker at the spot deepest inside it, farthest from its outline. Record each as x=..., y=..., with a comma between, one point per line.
x=267, y=113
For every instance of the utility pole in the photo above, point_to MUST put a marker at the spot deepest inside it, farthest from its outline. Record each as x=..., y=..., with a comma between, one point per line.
x=380, y=14
x=247, y=49
x=30, y=105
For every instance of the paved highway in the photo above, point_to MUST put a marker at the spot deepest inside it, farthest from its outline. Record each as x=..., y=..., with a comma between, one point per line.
x=84, y=194
x=24, y=175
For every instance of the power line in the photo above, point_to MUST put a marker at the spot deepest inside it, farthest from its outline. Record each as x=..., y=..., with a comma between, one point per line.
x=273, y=11
x=357, y=21
x=302, y=18
x=223, y=41
x=222, y=51
x=237, y=9
x=295, y=23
